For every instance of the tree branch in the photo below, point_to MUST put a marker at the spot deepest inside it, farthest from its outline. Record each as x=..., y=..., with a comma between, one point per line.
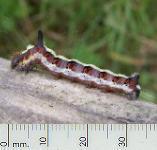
x=41, y=98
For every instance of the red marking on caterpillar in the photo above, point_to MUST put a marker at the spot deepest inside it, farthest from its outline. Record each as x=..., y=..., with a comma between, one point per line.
x=75, y=70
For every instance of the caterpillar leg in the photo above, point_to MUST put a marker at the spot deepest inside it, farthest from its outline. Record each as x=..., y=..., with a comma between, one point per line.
x=133, y=83
x=133, y=95
x=29, y=68
x=26, y=68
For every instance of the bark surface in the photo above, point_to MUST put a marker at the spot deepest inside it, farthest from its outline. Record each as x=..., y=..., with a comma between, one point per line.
x=38, y=97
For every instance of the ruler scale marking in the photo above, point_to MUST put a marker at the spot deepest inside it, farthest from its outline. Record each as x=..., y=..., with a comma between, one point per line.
x=8, y=136
x=126, y=135
x=91, y=136
x=107, y=131
x=87, y=135
x=28, y=130
x=146, y=131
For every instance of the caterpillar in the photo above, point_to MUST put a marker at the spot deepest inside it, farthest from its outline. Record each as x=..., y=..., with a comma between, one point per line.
x=75, y=70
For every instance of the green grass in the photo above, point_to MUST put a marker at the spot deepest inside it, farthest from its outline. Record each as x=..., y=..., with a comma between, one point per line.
x=119, y=35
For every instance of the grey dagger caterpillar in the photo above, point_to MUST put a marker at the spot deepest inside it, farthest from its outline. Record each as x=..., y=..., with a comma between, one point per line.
x=75, y=70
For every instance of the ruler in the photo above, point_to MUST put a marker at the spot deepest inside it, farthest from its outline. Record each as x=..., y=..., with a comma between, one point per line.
x=78, y=136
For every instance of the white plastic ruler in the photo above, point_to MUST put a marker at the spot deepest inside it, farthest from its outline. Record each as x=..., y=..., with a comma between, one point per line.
x=78, y=136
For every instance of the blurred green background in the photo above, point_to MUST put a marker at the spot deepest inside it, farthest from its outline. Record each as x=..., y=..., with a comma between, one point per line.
x=120, y=35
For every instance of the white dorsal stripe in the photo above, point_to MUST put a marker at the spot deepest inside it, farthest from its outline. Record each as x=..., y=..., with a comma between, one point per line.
x=66, y=59
x=81, y=76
